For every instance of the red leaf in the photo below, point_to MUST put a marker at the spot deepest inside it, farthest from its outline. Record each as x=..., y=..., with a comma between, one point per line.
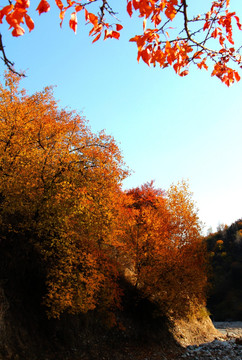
x=238, y=22
x=215, y=33
x=136, y=4
x=73, y=22
x=221, y=40
x=59, y=4
x=129, y=8
x=86, y=14
x=43, y=6
x=119, y=27
x=236, y=75
x=206, y=25
x=229, y=37
x=184, y=73
x=115, y=34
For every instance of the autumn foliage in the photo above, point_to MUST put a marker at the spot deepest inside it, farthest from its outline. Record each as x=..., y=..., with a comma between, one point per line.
x=60, y=193
x=172, y=36
x=59, y=186
x=165, y=254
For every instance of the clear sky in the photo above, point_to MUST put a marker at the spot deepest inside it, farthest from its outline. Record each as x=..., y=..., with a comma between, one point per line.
x=168, y=128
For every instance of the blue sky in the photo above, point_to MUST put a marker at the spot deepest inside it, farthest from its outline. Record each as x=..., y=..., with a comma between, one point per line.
x=168, y=128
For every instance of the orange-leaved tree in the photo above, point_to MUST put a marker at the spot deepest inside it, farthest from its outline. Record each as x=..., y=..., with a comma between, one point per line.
x=164, y=254
x=173, y=35
x=59, y=192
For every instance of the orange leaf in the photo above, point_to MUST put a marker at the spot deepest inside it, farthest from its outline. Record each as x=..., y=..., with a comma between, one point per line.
x=5, y=11
x=184, y=73
x=144, y=25
x=62, y=15
x=86, y=14
x=96, y=38
x=197, y=55
x=78, y=8
x=93, y=19
x=18, y=31
x=106, y=34
x=146, y=56
x=29, y=22
x=23, y=3
x=43, y=6
x=135, y=38
x=202, y=64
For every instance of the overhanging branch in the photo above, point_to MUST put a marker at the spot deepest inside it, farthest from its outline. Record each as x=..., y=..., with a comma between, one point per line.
x=7, y=62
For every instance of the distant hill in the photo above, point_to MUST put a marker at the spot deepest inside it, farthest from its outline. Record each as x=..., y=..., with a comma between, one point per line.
x=225, y=272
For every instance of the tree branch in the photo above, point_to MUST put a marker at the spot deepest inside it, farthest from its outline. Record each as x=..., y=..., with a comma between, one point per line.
x=7, y=62
x=189, y=36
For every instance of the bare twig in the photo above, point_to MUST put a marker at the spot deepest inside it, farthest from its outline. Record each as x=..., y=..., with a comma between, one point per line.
x=7, y=62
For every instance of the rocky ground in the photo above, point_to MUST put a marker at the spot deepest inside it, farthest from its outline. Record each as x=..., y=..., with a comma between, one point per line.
x=228, y=346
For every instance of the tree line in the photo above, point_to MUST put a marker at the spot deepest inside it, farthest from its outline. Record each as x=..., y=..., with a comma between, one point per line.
x=225, y=275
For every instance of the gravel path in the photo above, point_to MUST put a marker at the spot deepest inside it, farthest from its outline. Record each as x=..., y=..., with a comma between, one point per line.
x=226, y=347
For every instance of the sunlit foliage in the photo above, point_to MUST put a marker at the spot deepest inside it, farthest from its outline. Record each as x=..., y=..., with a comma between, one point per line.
x=172, y=34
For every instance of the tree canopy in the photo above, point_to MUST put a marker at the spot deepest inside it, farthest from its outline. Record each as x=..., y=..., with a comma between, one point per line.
x=59, y=189
x=161, y=234
x=61, y=197
x=172, y=34
x=225, y=258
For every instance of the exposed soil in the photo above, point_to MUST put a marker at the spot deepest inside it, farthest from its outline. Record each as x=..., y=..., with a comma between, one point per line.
x=26, y=334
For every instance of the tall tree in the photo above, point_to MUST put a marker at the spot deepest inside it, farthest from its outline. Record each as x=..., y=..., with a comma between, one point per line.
x=59, y=188
x=166, y=258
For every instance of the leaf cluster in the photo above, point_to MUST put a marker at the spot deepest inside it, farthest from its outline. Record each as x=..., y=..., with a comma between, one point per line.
x=171, y=35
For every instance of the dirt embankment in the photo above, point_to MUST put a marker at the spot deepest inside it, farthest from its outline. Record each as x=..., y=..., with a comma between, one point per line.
x=227, y=346
x=25, y=334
